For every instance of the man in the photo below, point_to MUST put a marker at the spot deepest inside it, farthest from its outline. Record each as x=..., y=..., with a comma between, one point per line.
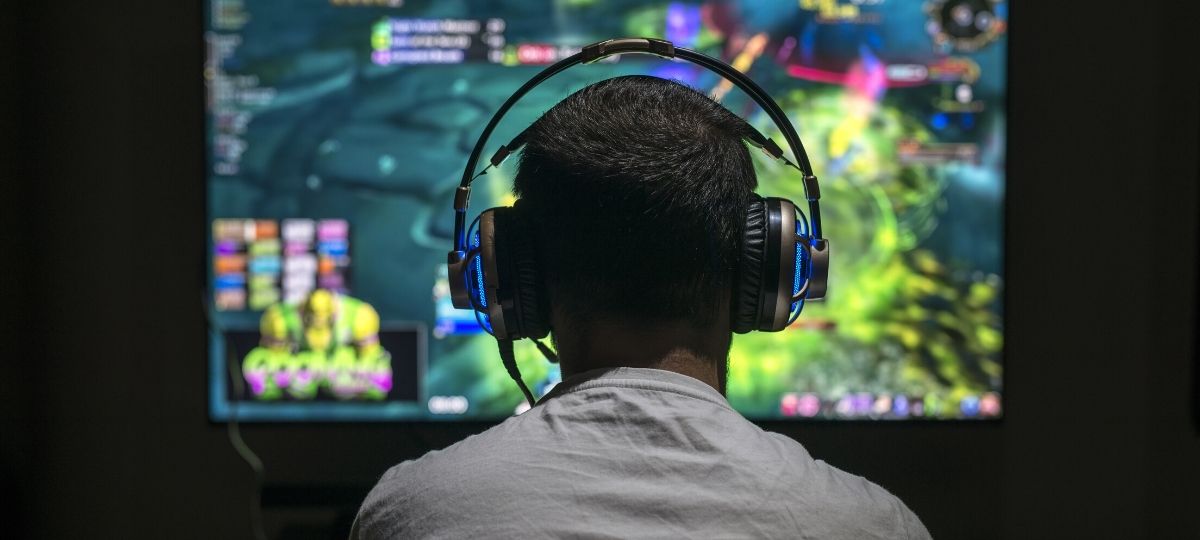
x=637, y=188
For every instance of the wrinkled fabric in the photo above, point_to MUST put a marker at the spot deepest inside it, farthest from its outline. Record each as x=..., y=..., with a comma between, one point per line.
x=629, y=453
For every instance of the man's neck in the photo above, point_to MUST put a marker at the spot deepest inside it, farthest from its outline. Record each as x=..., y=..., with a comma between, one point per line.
x=678, y=347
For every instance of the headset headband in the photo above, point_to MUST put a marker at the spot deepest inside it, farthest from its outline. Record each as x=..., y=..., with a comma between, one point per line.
x=663, y=49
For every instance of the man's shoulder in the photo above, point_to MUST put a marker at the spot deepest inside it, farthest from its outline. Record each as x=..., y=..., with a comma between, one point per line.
x=434, y=488
x=846, y=501
x=461, y=461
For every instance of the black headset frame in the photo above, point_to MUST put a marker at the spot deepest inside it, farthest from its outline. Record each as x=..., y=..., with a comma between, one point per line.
x=813, y=288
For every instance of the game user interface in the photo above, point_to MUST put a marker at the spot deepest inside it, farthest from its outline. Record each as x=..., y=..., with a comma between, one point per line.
x=337, y=131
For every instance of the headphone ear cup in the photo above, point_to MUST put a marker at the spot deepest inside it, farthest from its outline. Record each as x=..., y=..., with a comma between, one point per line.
x=527, y=281
x=519, y=283
x=803, y=268
x=783, y=257
x=484, y=273
x=747, y=290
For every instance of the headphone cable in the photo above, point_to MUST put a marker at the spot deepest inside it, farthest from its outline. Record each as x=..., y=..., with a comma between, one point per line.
x=510, y=363
x=550, y=355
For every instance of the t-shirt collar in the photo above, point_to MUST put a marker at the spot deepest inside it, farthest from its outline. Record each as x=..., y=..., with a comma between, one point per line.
x=647, y=378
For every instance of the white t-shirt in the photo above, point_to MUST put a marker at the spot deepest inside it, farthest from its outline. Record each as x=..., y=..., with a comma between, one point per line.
x=629, y=453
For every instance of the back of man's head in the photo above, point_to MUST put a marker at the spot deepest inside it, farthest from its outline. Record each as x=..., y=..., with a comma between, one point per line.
x=637, y=188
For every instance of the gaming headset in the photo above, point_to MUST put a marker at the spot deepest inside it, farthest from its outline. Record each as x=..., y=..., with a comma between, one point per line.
x=784, y=260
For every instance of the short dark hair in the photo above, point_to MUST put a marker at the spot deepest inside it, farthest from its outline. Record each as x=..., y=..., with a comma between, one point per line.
x=637, y=188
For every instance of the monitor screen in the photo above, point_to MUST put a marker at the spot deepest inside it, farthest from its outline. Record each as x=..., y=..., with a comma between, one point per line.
x=337, y=131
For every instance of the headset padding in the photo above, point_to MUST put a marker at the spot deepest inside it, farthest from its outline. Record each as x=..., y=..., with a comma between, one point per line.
x=527, y=279
x=747, y=292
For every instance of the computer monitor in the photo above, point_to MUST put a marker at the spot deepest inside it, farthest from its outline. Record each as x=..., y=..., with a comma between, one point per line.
x=337, y=131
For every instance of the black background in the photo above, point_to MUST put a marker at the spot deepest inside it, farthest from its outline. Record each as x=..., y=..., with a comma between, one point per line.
x=103, y=382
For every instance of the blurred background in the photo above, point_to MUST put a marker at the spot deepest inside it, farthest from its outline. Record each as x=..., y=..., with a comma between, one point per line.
x=105, y=376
